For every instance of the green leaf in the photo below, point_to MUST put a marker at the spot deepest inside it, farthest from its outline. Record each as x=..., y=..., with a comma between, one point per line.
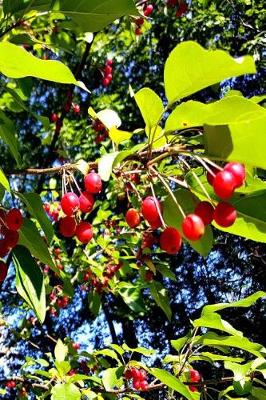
x=242, y=384
x=173, y=217
x=35, y=207
x=232, y=142
x=65, y=391
x=118, y=136
x=179, y=343
x=214, y=321
x=60, y=350
x=150, y=105
x=160, y=296
x=211, y=339
x=112, y=378
x=29, y=237
x=30, y=65
x=246, y=302
x=258, y=393
x=94, y=302
x=141, y=350
x=105, y=165
x=3, y=181
x=8, y=135
x=132, y=296
x=173, y=383
x=190, y=68
x=223, y=112
x=30, y=281
x=211, y=357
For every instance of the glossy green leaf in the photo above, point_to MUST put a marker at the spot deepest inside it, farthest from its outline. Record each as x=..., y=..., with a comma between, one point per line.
x=214, y=321
x=174, y=383
x=105, y=165
x=30, y=281
x=8, y=135
x=112, y=377
x=3, y=181
x=160, y=296
x=206, y=355
x=190, y=68
x=118, y=136
x=29, y=237
x=30, y=65
x=177, y=344
x=150, y=105
x=232, y=142
x=65, y=391
x=246, y=302
x=60, y=350
x=173, y=217
x=131, y=295
x=35, y=207
x=229, y=109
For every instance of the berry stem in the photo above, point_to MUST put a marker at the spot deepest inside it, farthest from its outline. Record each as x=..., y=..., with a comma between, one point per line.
x=157, y=207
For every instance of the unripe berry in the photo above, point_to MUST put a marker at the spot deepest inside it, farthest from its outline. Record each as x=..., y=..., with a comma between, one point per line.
x=224, y=184
x=148, y=10
x=3, y=271
x=67, y=226
x=14, y=219
x=93, y=183
x=149, y=209
x=193, y=227
x=194, y=375
x=170, y=240
x=132, y=218
x=239, y=172
x=84, y=232
x=70, y=203
x=86, y=202
x=205, y=211
x=225, y=214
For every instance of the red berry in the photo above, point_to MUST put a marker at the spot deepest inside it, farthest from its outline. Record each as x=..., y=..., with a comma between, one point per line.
x=98, y=126
x=139, y=21
x=128, y=374
x=72, y=372
x=211, y=176
x=171, y=3
x=149, y=209
x=149, y=276
x=67, y=226
x=224, y=184
x=76, y=346
x=4, y=248
x=136, y=384
x=65, y=301
x=3, y=271
x=109, y=62
x=2, y=216
x=86, y=202
x=170, y=240
x=106, y=82
x=133, y=218
x=182, y=9
x=93, y=182
x=205, y=211
x=76, y=108
x=11, y=384
x=225, y=214
x=84, y=232
x=194, y=375
x=143, y=373
x=148, y=10
x=136, y=374
x=144, y=385
x=54, y=117
x=70, y=203
x=109, y=77
x=193, y=388
x=138, y=31
x=14, y=219
x=12, y=238
x=108, y=70
x=193, y=227
x=239, y=172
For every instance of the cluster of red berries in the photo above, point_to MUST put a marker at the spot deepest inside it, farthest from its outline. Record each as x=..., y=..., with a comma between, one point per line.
x=139, y=377
x=10, y=223
x=102, y=132
x=181, y=5
x=11, y=384
x=71, y=204
x=107, y=73
x=57, y=300
x=194, y=376
x=147, y=11
x=108, y=273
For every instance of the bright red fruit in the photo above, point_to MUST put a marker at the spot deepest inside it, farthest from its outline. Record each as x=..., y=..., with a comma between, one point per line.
x=84, y=232
x=148, y=10
x=170, y=240
x=225, y=214
x=109, y=62
x=205, y=211
x=93, y=182
x=143, y=374
x=54, y=117
x=144, y=385
x=136, y=384
x=76, y=108
x=67, y=226
x=136, y=373
x=108, y=70
x=224, y=184
x=193, y=388
x=11, y=384
x=133, y=218
x=210, y=177
x=14, y=219
x=70, y=203
x=76, y=346
x=194, y=375
x=86, y=202
x=239, y=172
x=149, y=209
x=128, y=374
x=11, y=238
x=193, y=227
x=106, y=82
x=3, y=271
